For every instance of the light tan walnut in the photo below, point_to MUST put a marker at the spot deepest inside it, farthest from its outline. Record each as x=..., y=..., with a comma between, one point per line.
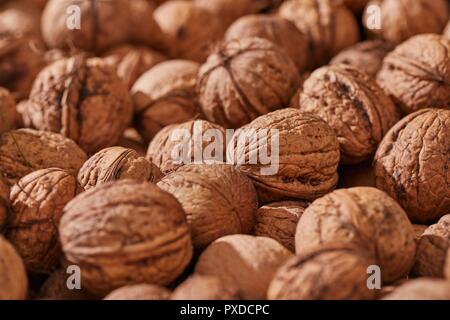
x=198, y=287
x=139, y=292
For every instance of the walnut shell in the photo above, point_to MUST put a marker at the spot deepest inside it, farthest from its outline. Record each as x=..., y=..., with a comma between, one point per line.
x=417, y=73
x=116, y=163
x=245, y=261
x=139, y=292
x=352, y=104
x=421, y=289
x=365, y=217
x=55, y=288
x=218, y=200
x=308, y=155
x=161, y=149
x=199, y=287
x=365, y=56
x=13, y=278
x=279, y=220
x=244, y=79
x=165, y=95
x=125, y=232
x=411, y=164
x=329, y=272
x=276, y=29
x=329, y=26
x=4, y=204
x=432, y=249
x=402, y=19
x=84, y=100
x=26, y=150
x=8, y=113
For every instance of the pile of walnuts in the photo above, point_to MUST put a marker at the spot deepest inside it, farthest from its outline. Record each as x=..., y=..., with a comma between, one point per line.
x=224, y=149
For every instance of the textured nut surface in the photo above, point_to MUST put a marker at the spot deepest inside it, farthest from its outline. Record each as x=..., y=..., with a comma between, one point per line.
x=245, y=78
x=198, y=287
x=116, y=163
x=352, y=104
x=276, y=29
x=166, y=142
x=326, y=273
x=279, y=220
x=165, y=95
x=421, y=289
x=218, y=200
x=412, y=163
x=84, y=100
x=308, y=156
x=25, y=150
x=247, y=262
x=8, y=114
x=365, y=217
x=13, y=278
x=55, y=288
x=124, y=233
x=37, y=202
x=329, y=25
x=417, y=73
x=139, y=292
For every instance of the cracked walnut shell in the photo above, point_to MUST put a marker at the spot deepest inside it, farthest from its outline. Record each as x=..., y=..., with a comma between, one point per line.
x=365, y=217
x=13, y=278
x=139, y=292
x=412, y=164
x=199, y=287
x=421, y=289
x=123, y=233
x=244, y=79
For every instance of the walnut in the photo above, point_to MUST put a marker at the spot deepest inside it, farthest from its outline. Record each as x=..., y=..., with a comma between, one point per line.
x=447, y=31
x=245, y=261
x=402, y=19
x=139, y=292
x=116, y=163
x=416, y=73
x=330, y=26
x=365, y=217
x=84, y=100
x=305, y=170
x=245, y=78
x=55, y=288
x=432, y=249
x=419, y=229
x=279, y=220
x=123, y=233
x=354, y=105
x=131, y=62
x=162, y=147
x=330, y=272
x=421, y=289
x=13, y=278
x=358, y=175
x=8, y=113
x=276, y=29
x=23, y=151
x=4, y=205
x=366, y=56
x=165, y=95
x=411, y=164
x=22, y=17
x=218, y=200
x=199, y=287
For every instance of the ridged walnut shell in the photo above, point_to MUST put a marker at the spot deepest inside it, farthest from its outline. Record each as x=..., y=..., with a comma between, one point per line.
x=26, y=150
x=276, y=29
x=37, y=203
x=330, y=272
x=198, y=287
x=8, y=113
x=83, y=99
x=244, y=79
x=161, y=149
x=116, y=163
x=417, y=73
x=412, y=164
x=245, y=261
x=329, y=26
x=139, y=292
x=218, y=200
x=55, y=288
x=421, y=289
x=353, y=104
x=13, y=278
x=308, y=155
x=364, y=217
x=165, y=95
x=279, y=221
x=124, y=233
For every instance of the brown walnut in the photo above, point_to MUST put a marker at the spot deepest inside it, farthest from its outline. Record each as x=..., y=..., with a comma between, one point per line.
x=198, y=287
x=20, y=16
x=421, y=289
x=244, y=79
x=55, y=288
x=13, y=278
x=139, y=292
x=125, y=232
x=8, y=113
x=412, y=164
